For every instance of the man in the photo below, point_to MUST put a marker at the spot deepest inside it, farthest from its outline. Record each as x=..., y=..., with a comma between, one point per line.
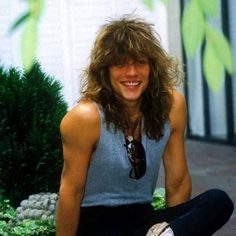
x=129, y=118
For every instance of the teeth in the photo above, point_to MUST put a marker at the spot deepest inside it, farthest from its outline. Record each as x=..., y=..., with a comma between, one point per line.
x=131, y=83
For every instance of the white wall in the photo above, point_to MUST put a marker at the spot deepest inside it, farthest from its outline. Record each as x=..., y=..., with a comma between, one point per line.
x=67, y=30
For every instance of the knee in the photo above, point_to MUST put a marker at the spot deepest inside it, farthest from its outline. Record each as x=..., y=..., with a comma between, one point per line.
x=220, y=200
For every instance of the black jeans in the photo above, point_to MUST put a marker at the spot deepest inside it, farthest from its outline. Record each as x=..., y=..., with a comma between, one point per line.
x=201, y=216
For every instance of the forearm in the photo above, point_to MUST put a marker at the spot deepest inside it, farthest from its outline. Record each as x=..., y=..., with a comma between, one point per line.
x=67, y=216
x=179, y=193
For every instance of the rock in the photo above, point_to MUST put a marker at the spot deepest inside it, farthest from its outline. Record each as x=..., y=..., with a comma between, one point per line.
x=39, y=206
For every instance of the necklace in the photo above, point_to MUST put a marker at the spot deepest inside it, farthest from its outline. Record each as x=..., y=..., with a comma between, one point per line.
x=133, y=132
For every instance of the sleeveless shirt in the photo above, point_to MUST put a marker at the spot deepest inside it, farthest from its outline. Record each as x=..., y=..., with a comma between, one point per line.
x=108, y=182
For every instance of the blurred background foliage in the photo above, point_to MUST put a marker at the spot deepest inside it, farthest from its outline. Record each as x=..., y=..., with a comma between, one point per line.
x=30, y=20
x=32, y=107
x=196, y=31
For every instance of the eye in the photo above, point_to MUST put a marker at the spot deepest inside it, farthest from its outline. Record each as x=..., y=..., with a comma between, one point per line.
x=141, y=62
x=120, y=65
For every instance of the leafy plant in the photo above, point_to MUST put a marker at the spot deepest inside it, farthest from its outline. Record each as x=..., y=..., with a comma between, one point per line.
x=27, y=228
x=150, y=3
x=31, y=107
x=159, y=199
x=10, y=225
x=7, y=212
x=197, y=28
x=29, y=40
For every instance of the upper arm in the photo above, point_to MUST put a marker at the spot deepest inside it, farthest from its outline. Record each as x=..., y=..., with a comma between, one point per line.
x=177, y=118
x=80, y=133
x=176, y=170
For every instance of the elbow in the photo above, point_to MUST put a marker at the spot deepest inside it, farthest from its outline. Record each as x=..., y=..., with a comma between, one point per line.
x=187, y=183
x=75, y=194
x=179, y=192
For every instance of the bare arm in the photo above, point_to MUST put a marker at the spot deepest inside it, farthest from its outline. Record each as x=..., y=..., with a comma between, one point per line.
x=80, y=132
x=177, y=178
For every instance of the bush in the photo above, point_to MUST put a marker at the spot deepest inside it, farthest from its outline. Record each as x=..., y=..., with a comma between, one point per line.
x=7, y=212
x=159, y=201
x=31, y=108
x=11, y=225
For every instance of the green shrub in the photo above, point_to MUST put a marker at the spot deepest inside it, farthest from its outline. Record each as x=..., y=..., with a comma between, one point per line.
x=31, y=108
x=159, y=201
x=7, y=212
x=11, y=225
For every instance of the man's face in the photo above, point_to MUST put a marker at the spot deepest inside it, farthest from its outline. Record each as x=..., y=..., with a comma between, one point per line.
x=130, y=79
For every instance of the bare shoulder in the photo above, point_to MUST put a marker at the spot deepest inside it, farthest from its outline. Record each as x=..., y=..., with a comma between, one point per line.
x=82, y=120
x=82, y=113
x=178, y=100
x=178, y=110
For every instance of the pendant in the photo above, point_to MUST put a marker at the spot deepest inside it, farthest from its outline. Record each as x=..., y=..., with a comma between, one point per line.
x=130, y=138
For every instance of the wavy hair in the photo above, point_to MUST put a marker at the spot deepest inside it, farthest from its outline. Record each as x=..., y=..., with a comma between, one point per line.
x=132, y=38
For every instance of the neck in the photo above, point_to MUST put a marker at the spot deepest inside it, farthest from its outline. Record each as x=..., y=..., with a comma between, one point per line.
x=133, y=111
x=134, y=128
x=132, y=107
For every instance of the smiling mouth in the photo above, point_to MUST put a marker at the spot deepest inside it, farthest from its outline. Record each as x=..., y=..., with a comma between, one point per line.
x=131, y=83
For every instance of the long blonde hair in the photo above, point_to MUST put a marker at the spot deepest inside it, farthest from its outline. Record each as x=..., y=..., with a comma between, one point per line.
x=132, y=38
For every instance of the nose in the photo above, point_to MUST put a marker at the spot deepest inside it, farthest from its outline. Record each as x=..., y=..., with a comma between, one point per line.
x=131, y=69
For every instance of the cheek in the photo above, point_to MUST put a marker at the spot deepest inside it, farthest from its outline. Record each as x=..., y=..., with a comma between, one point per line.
x=114, y=76
x=111, y=77
x=113, y=82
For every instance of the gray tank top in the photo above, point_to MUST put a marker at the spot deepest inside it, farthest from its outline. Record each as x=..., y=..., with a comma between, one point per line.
x=108, y=182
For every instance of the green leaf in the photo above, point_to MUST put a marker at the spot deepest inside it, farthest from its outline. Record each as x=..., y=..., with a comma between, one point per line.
x=166, y=2
x=193, y=27
x=159, y=199
x=36, y=8
x=20, y=21
x=149, y=4
x=159, y=192
x=222, y=47
x=29, y=44
x=209, y=7
x=213, y=68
